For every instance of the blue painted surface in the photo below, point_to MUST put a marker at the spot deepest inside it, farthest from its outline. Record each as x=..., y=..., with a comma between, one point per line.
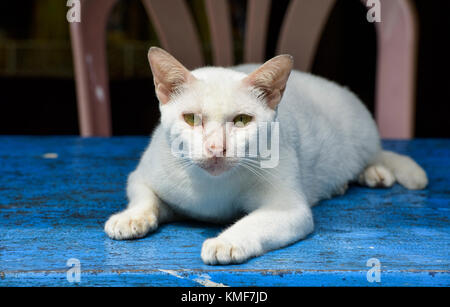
x=54, y=209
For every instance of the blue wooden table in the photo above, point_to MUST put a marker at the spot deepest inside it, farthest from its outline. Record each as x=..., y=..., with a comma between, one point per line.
x=57, y=192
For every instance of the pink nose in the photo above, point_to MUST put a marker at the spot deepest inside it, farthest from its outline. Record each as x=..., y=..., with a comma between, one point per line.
x=214, y=150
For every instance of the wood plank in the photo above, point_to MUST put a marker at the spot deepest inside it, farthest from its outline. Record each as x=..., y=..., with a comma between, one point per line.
x=53, y=209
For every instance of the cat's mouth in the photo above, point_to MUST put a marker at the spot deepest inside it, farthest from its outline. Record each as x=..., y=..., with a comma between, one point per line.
x=216, y=166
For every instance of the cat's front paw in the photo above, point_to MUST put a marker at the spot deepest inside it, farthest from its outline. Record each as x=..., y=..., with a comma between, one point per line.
x=377, y=176
x=221, y=251
x=130, y=224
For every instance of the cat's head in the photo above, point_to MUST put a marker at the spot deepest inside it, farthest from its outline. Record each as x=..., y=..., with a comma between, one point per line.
x=212, y=110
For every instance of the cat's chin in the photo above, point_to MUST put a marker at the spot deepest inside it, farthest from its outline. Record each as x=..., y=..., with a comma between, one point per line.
x=216, y=166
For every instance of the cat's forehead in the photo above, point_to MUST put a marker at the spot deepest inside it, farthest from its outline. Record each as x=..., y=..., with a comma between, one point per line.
x=213, y=74
x=217, y=82
x=217, y=91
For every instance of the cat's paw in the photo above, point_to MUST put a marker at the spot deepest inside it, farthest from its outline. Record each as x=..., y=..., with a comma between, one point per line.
x=130, y=224
x=377, y=176
x=413, y=179
x=221, y=251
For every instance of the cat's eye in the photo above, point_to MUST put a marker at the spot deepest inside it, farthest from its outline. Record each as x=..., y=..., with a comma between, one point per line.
x=192, y=119
x=242, y=120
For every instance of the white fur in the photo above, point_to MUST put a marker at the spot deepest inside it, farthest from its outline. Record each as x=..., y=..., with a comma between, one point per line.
x=327, y=139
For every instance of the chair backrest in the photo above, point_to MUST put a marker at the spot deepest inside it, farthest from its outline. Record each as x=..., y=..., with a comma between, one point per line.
x=299, y=36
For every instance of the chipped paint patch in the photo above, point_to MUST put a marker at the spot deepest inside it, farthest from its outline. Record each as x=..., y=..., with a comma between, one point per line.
x=204, y=279
x=173, y=273
x=50, y=155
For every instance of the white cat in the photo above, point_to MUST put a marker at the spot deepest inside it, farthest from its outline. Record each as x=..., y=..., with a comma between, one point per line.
x=327, y=138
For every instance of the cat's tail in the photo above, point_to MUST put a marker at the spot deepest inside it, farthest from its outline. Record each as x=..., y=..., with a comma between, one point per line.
x=390, y=167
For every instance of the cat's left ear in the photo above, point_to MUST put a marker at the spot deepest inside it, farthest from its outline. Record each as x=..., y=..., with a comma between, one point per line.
x=270, y=79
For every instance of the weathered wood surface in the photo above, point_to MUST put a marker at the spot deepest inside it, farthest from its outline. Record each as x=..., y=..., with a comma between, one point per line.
x=53, y=209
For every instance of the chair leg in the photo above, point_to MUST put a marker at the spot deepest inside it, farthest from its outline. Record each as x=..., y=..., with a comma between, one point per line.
x=396, y=69
x=89, y=57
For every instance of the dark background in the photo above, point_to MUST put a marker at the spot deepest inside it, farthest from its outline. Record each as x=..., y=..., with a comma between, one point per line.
x=37, y=88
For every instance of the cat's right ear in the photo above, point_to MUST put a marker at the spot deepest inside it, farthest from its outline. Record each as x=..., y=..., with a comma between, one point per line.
x=270, y=79
x=169, y=75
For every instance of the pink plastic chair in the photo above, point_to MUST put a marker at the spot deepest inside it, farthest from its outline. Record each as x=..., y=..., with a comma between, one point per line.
x=304, y=22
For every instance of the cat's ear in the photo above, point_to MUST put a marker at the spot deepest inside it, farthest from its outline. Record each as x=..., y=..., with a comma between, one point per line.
x=169, y=75
x=269, y=80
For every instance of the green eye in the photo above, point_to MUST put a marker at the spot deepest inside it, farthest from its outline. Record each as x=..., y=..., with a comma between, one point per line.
x=192, y=119
x=242, y=120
